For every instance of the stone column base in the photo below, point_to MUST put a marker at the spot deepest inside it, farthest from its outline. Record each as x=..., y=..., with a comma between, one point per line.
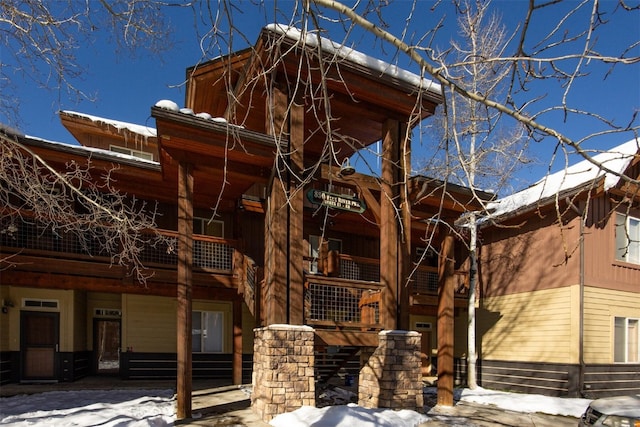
x=283, y=374
x=390, y=376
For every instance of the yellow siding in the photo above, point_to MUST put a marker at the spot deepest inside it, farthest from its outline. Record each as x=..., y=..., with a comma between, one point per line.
x=537, y=326
x=149, y=323
x=78, y=322
x=601, y=306
x=5, y=324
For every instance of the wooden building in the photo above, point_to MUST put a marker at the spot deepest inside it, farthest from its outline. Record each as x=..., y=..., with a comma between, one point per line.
x=559, y=310
x=281, y=230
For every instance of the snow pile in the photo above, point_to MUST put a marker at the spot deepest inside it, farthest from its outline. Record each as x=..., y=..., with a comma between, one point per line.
x=348, y=416
x=130, y=408
x=166, y=104
x=528, y=403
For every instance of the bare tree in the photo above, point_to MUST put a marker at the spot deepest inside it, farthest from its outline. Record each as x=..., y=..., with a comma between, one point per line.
x=481, y=154
x=41, y=39
x=80, y=203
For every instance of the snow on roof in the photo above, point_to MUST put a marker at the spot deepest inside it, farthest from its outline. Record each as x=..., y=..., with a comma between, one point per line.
x=167, y=104
x=91, y=150
x=327, y=45
x=574, y=177
x=145, y=131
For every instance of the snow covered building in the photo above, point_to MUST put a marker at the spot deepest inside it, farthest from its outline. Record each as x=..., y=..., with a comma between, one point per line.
x=298, y=237
x=559, y=311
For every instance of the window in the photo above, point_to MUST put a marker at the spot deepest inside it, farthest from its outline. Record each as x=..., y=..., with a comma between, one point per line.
x=626, y=340
x=314, y=250
x=207, y=331
x=135, y=153
x=627, y=239
x=208, y=227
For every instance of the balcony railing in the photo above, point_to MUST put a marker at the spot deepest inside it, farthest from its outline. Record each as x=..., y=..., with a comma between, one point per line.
x=347, y=294
x=209, y=253
x=424, y=280
x=341, y=303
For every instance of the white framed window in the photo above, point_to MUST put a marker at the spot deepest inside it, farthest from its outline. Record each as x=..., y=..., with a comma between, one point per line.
x=208, y=227
x=135, y=153
x=627, y=239
x=207, y=331
x=626, y=340
x=314, y=250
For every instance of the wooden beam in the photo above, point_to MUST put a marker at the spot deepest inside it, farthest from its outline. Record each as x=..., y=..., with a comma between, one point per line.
x=404, y=233
x=296, y=210
x=389, y=226
x=349, y=338
x=275, y=292
x=185, y=268
x=446, y=322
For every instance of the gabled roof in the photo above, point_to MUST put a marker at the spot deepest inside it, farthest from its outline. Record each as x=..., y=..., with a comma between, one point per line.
x=583, y=176
x=362, y=91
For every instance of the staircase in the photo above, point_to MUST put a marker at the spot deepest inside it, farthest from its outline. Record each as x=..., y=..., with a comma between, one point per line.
x=333, y=362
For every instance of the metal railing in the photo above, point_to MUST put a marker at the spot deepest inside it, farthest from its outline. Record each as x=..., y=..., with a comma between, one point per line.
x=208, y=252
x=335, y=302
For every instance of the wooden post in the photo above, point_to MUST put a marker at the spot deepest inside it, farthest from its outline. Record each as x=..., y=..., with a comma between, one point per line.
x=296, y=207
x=184, y=272
x=237, y=341
x=275, y=292
x=445, y=322
x=404, y=235
x=389, y=225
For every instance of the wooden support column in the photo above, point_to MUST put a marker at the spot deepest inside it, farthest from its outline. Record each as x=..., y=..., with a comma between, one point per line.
x=275, y=293
x=389, y=225
x=237, y=341
x=445, y=321
x=184, y=275
x=404, y=235
x=296, y=207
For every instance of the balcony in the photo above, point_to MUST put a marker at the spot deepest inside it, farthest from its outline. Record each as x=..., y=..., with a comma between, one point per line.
x=346, y=296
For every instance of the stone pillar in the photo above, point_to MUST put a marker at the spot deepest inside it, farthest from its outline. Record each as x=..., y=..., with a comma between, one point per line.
x=283, y=375
x=391, y=376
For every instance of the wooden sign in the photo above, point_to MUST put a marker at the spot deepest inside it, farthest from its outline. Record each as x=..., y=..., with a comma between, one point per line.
x=336, y=201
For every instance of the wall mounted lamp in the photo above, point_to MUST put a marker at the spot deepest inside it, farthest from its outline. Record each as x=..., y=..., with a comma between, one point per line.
x=345, y=168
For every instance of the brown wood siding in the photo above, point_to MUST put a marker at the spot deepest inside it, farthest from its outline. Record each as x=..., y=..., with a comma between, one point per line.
x=550, y=379
x=530, y=256
x=538, y=326
x=601, y=268
x=600, y=307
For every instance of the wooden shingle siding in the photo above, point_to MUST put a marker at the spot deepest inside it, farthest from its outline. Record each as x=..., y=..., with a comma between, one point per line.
x=601, y=306
x=536, y=326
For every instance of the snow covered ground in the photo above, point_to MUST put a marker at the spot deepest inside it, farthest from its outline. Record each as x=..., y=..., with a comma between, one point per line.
x=156, y=408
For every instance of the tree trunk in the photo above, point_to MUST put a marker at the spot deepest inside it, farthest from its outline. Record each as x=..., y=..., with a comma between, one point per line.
x=473, y=280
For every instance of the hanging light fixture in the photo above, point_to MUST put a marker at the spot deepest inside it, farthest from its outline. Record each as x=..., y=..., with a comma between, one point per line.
x=346, y=169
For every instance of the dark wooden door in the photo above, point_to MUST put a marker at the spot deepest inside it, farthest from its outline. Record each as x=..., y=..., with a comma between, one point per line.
x=39, y=345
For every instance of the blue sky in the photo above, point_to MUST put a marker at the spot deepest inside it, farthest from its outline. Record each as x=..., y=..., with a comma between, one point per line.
x=127, y=86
